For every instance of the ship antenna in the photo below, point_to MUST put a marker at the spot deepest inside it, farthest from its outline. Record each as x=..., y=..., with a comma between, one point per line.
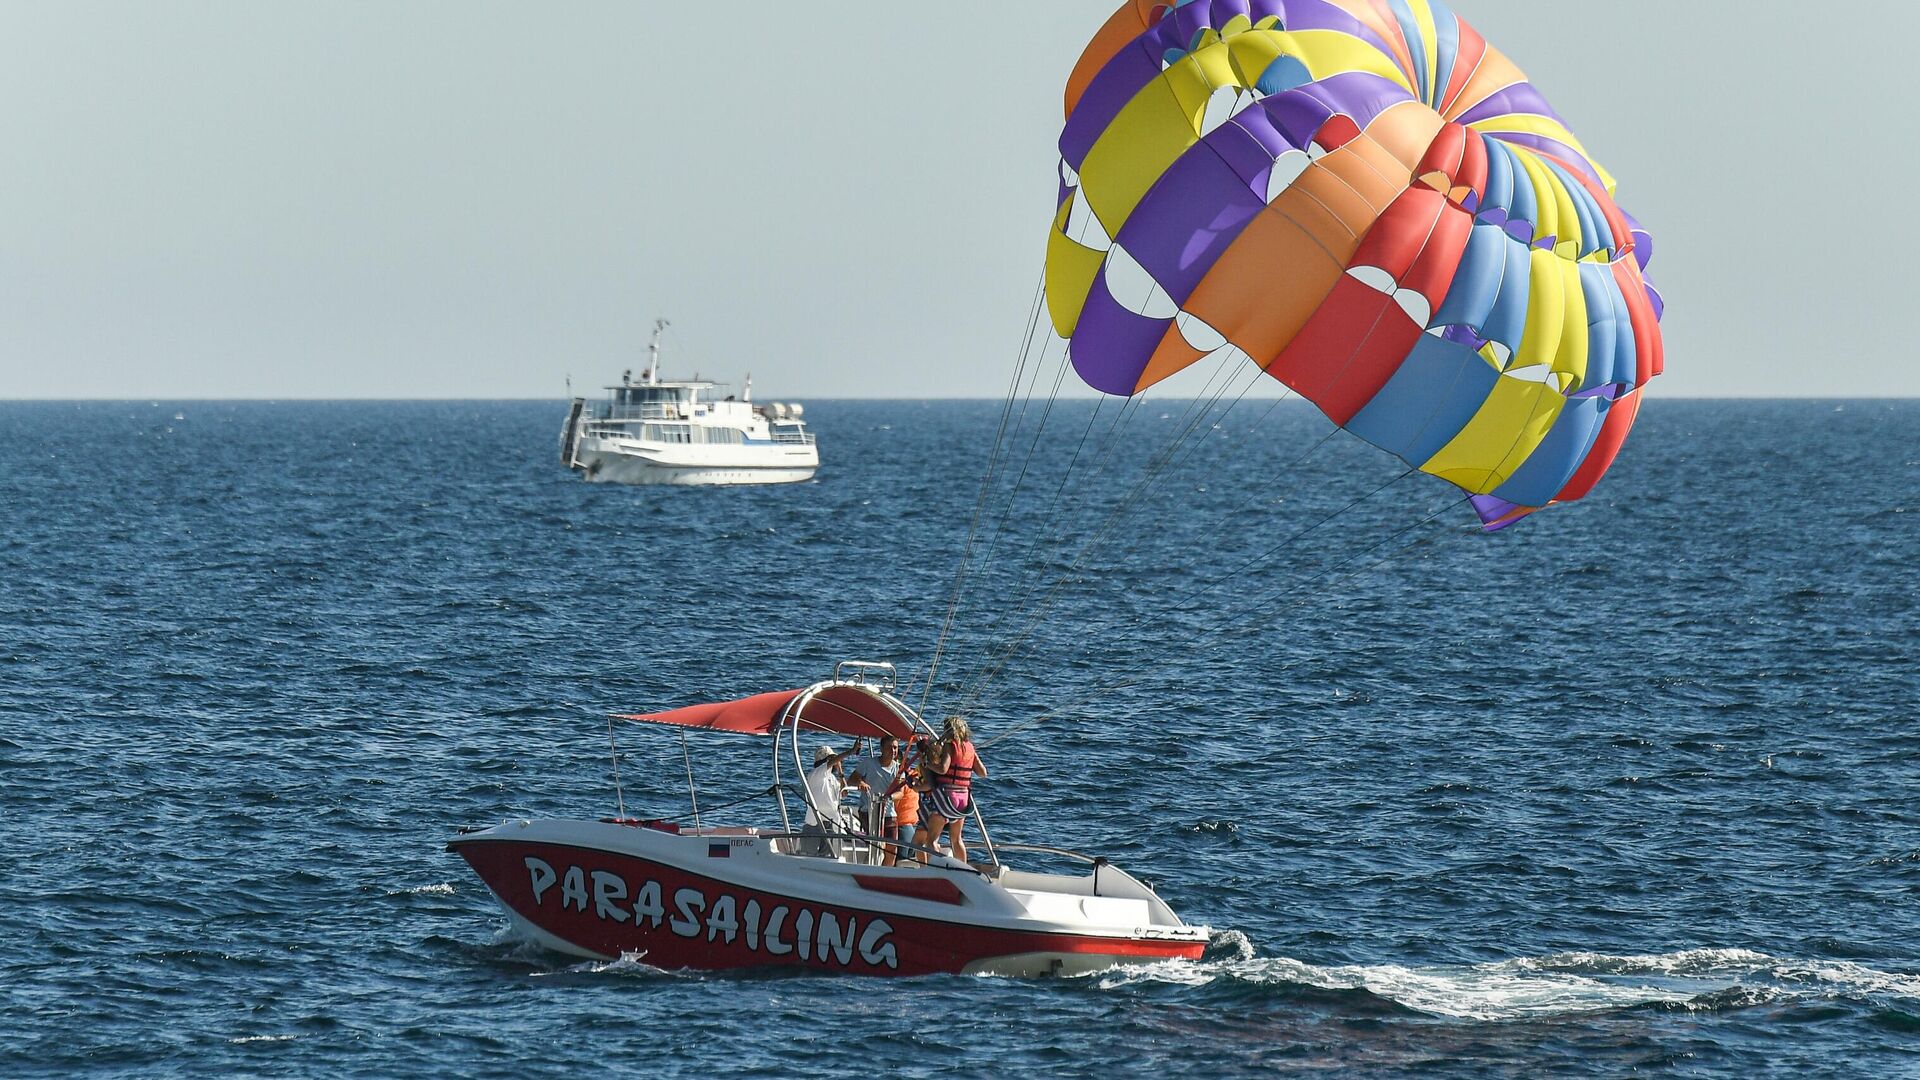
x=653, y=352
x=746, y=395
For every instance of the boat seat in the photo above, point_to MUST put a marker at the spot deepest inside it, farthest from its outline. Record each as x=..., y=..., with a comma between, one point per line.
x=1094, y=910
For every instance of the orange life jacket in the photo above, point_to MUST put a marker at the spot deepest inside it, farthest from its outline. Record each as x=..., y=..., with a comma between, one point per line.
x=961, y=761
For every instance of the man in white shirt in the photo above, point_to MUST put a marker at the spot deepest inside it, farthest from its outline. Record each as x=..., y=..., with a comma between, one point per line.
x=825, y=786
x=873, y=774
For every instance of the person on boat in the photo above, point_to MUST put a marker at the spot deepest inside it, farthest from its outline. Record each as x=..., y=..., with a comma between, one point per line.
x=826, y=783
x=952, y=763
x=873, y=774
x=905, y=797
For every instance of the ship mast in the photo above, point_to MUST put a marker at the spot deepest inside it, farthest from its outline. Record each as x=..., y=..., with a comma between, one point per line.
x=653, y=353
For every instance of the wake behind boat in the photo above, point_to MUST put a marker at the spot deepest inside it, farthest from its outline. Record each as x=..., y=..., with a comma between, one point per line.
x=705, y=895
x=654, y=432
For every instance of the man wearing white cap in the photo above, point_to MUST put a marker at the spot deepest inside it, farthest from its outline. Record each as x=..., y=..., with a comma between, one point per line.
x=825, y=785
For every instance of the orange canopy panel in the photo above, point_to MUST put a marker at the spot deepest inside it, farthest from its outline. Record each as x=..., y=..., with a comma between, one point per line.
x=843, y=710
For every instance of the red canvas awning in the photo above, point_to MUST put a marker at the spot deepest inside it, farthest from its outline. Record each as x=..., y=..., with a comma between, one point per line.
x=843, y=710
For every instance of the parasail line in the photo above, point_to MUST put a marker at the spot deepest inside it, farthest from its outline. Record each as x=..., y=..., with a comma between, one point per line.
x=1021, y=606
x=1196, y=412
x=986, y=482
x=1157, y=467
x=986, y=560
x=1102, y=460
x=1013, y=495
x=1027, y=558
x=960, y=572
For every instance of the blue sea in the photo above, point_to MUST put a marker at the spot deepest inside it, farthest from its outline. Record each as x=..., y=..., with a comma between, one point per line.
x=1632, y=787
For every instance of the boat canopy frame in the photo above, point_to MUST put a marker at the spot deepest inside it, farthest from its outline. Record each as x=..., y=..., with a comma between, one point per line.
x=880, y=680
x=860, y=700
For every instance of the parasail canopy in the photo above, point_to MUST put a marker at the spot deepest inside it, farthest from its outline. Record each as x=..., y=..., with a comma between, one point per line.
x=844, y=709
x=1374, y=205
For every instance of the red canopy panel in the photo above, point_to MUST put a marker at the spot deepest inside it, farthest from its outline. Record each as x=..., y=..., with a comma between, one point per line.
x=843, y=710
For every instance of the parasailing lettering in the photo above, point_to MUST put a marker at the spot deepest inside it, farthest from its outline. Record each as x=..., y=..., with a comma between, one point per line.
x=819, y=935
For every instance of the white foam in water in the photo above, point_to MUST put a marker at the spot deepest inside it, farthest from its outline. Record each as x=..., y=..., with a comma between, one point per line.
x=1540, y=986
x=1684, y=962
x=632, y=964
x=1843, y=976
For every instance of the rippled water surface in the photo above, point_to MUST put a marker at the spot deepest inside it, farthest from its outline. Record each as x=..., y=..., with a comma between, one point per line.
x=1630, y=786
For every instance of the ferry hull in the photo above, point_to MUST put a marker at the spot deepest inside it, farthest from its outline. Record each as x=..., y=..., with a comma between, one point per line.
x=604, y=468
x=597, y=903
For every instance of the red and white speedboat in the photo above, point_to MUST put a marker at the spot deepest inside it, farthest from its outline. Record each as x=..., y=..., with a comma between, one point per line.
x=730, y=896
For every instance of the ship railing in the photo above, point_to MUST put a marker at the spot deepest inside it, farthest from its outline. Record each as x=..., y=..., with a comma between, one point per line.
x=652, y=410
x=796, y=438
x=609, y=431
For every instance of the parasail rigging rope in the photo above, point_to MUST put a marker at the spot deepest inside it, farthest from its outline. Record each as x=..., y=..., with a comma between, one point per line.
x=986, y=484
x=1034, y=613
x=1033, y=444
x=1169, y=461
x=1027, y=611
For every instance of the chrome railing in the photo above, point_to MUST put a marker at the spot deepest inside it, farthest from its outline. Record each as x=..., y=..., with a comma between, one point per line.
x=877, y=673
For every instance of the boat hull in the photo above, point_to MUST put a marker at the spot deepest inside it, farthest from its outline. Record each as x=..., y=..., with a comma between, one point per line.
x=619, y=468
x=593, y=902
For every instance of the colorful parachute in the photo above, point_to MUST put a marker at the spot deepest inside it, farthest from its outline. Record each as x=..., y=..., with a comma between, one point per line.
x=1374, y=205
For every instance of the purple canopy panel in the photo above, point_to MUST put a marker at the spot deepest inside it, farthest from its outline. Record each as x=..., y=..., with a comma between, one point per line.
x=1111, y=345
x=1320, y=15
x=1496, y=514
x=1519, y=98
x=1642, y=240
x=1130, y=69
x=1299, y=113
x=1200, y=204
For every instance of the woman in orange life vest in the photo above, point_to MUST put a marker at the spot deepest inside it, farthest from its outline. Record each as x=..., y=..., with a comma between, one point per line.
x=953, y=763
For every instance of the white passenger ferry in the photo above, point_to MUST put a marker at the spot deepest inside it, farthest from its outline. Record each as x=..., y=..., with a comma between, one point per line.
x=653, y=432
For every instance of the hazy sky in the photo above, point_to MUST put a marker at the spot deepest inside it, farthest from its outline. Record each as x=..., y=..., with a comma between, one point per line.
x=461, y=199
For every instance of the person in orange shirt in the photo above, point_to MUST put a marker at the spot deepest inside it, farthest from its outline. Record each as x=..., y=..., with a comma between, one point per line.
x=906, y=807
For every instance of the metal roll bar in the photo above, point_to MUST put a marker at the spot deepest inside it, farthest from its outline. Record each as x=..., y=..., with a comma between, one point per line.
x=881, y=684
